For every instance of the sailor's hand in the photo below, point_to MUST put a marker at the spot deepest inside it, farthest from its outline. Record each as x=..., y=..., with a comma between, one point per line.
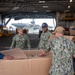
x=8, y=57
x=43, y=53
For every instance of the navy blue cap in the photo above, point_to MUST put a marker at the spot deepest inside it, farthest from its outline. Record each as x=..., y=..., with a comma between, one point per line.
x=44, y=25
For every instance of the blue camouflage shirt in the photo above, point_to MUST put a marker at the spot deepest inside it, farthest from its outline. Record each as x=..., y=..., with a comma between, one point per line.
x=62, y=52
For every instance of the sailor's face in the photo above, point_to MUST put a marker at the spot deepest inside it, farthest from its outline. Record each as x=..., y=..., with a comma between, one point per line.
x=45, y=29
x=20, y=31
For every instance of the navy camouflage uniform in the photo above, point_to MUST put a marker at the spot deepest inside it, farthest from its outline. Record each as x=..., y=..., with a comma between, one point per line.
x=44, y=39
x=20, y=42
x=62, y=52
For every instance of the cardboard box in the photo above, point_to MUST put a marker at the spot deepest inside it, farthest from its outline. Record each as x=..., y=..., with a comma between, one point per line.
x=69, y=37
x=66, y=36
x=32, y=65
x=16, y=52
